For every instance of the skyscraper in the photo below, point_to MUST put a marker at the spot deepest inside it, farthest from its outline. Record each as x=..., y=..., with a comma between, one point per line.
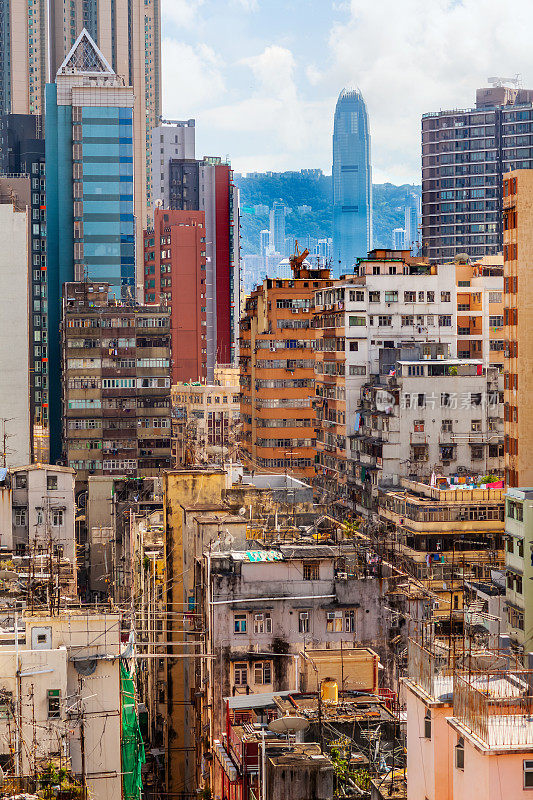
x=89, y=187
x=464, y=154
x=22, y=154
x=277, y=227
x=352, y=181
x=412, y=223
x=398, y=239
x=35, y=38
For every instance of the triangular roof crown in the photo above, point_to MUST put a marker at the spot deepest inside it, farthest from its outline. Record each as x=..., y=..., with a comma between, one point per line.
x=85, y=57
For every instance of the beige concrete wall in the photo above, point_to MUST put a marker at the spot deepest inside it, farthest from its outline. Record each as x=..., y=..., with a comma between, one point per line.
x=14, y=335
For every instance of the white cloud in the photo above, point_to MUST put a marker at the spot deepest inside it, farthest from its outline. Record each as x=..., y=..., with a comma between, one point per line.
x=275, y=125
x=416, y=56
x=248, y=5
x=192, y=77
x=182, y=13
x=274, y=110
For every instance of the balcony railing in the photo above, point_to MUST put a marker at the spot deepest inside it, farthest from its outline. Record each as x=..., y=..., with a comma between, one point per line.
x=497, y=706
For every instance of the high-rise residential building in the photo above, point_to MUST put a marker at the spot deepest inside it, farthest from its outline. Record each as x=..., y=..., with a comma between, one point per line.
x=518, y=325
x=115, y=383
x=408, y=380
x=170, y=139
x=89, y=189
x=355, y=319
x=36, y=37
x=352, y=182
x=277, y=227
x=464, y=154
x=277, y=371
x=208, y=186
x=15, y=426
x=412, y=223
x=22, y=160
x=398, y=239
x=175, y=277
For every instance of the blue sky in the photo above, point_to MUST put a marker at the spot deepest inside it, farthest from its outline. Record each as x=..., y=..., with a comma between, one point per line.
x=261, y=77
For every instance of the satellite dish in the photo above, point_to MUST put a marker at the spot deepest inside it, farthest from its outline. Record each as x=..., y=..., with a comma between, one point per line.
x=288, y=724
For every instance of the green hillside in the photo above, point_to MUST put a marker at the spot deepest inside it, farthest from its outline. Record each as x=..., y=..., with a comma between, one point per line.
x=296, y=189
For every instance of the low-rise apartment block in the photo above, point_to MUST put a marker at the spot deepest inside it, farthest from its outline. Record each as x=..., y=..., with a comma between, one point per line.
x=469, y=729
x=60, y=695
x=116, y=384
x=442, y=536
x=519, y=568
x=425, y=414
x=206, y=419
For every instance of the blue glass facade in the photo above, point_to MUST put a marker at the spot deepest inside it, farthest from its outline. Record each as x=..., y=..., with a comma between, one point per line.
x=108, y=221
x=352, y=182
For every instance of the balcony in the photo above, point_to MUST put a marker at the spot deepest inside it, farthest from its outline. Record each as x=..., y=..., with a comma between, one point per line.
x=496, y=706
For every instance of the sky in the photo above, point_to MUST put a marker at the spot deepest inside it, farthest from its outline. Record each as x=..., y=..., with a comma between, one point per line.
x=261, y=77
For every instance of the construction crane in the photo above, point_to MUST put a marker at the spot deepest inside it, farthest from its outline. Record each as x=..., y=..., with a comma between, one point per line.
x=298, y=258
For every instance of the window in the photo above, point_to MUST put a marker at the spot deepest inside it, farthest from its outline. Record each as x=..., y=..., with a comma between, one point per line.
x=356, y=321
x=263, y=672
x=354, y=347
x=495, y=297
x=445, y=297
x=430, y=297
x=21, y=480
x=373, y=297
x=334, y=621
x=384, y=320
x=419, y=426
x=239, y=623
x=20, y=517
x=528, y=774
x=310, y=571
x=303, y=622
x=57, y=518
x=445, y=320
x=447, y=424
x=476, y=425
x=240, y=674
x=51, y=482
x=349, y=621
x=427, y=724
x=357, y=370
x=262, y=623
x=54, y=703
x=460, y=753
x=391, y=297
x=409, y=297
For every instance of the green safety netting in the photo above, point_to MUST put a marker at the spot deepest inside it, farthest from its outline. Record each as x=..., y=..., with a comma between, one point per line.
x=131, y=743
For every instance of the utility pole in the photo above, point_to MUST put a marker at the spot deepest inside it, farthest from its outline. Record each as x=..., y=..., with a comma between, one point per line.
x=5, y=437
x=82, y=734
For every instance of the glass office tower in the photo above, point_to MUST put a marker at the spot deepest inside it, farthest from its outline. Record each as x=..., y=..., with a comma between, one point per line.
x=89, y=190
x=352, y=182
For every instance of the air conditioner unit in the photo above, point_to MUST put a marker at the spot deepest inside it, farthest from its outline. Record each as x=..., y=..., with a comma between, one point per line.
x=342, y=576
x=259, y=617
